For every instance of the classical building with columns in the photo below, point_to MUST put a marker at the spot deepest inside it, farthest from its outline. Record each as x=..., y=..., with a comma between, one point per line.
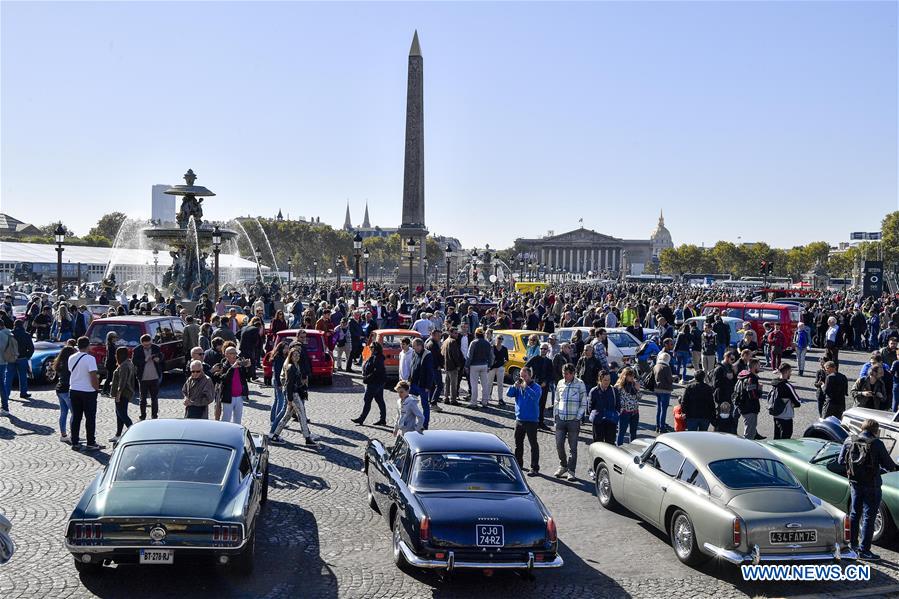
x=584, y=250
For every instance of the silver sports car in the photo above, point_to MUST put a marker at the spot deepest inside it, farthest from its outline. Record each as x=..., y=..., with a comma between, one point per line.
x=718, y=495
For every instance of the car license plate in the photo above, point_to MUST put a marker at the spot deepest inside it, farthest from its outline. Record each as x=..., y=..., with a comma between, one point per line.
x=793, y=536
x=490, y=535
x=157, y=556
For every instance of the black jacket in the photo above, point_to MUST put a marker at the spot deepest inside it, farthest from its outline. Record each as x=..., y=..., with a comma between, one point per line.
x=250, y=341
x=722, y=383
x=747, y=392
x=881, y=456
x=500, y=356
x=373, y=372
x=422, y=375
x=785, y=393
x=225, y=378
x=542, y=369
x=836, y=388
x=139, y=360
x=699, y=402
x=26, y=345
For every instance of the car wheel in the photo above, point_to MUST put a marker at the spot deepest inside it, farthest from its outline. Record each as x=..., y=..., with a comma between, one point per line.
x=371, y=496
x=604, y=488
x=398, y=558
x=884, y=527
x=244, y=562
x=513, y=373
x=48, y=373
x=683, y=539
x=92, y=569
x=265, y=486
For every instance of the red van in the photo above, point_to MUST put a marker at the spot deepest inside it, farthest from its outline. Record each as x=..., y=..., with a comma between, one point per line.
x=756, y=314
x=166, y=331
x=322, y=366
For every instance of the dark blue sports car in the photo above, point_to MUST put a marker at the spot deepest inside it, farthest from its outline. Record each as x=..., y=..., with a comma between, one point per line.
x=174, y=490
x=457, y=499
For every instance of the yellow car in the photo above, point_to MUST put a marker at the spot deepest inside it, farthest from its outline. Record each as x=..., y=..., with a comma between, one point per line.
x=530, y=286
x=516, y=341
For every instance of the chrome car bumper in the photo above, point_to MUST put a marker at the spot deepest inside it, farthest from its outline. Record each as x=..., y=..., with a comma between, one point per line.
x=755, y=556
x=451, y=564
x=92, y=549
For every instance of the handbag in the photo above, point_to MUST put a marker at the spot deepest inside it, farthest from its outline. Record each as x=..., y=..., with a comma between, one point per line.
x=610, y=416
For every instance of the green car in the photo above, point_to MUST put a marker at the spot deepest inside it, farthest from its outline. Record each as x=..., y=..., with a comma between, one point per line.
x=814, y=463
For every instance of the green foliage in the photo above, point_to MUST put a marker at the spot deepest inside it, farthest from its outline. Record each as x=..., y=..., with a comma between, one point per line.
x=50, y=229
x=108, y=226
x=889, y=228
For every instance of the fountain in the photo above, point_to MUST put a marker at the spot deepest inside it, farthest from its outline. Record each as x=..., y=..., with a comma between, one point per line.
x=188, y=276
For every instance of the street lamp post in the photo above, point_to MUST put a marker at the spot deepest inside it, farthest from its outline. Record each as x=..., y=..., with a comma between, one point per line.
x=365, y=256
x=155, y=267
x=216, y=250
x=314, y=273
x=410, y=249
x=447, y=252
x=59, y=236
x=530, y=271
x=289, y=270
x=337, y=266
x=259, y=263
x=426, y=272
x=473, y=269
x=357, y=253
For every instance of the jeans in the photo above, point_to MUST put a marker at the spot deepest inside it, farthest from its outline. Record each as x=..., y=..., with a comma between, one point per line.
x=374, y=392
x=783, y=428
x=895, y=397
x=233, y=412
x=604, y=430
x=496, y=376
x=4, y=393
x=17, y=370
x=567, y=430
x=662, y=401
x=698, y=424
x=149, y=387
x=121, y=415
x=65, y=406
x=863, y=504
x=528, y=429
x=750, y=426
x=719, y=350
x=800, y=358
x=683, y=357
x=423, y=395
x=627, y=421
x=478, y=379
x=438, y=388
x=277, y=406
x=84, y=405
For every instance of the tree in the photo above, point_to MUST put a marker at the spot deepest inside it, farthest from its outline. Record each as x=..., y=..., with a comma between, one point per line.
x=108, y=226
x=889, y=230
x=50, y=230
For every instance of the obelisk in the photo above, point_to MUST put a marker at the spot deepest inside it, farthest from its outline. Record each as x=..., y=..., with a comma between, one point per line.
x=413, y=225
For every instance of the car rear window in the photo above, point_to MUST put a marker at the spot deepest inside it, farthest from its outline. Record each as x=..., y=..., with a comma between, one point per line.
x=313, y=342
x=622, y=340
x=466, y=472
x=128, y=333
x=393, y=341
x=180, y=462
x=748, y=473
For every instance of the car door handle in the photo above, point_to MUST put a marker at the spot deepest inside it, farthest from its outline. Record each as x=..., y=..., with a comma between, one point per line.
x=664, y=488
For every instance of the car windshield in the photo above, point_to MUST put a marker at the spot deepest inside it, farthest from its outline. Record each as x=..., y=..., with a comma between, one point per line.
x=393, y=341
x=748, y=473
x=622, y=340
x=127, y=333
x=466, y=472
x=181, y=462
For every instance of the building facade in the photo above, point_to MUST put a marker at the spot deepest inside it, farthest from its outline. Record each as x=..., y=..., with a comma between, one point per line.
x=584, y=251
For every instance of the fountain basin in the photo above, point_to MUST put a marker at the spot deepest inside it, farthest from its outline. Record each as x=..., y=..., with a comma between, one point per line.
x=177, y=235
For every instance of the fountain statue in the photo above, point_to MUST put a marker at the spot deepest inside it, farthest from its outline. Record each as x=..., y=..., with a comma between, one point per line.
x=188, y=277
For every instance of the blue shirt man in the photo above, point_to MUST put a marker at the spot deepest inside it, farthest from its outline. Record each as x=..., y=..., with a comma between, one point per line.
x=526, y=394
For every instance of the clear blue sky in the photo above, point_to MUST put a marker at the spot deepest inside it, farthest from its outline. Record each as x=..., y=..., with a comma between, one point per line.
x=771, y=121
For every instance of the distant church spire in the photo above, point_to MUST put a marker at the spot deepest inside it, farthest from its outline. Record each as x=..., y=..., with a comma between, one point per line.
x=366, y=224
x=347, y=223
x=661, y=218
x=280, y=216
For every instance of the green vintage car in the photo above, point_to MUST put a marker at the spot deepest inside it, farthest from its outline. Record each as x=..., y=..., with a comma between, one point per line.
x=814, y=463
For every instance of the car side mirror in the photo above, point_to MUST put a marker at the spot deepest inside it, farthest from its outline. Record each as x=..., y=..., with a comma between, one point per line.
x=637, y=460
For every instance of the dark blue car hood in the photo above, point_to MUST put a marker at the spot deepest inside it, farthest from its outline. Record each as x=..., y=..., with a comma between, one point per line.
x=159, y=499
x=455, y=515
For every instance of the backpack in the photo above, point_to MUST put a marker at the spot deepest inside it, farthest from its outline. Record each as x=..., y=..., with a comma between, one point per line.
x=11, y=351
x=738, y=397
x=860, y=463
x=648, y=381
x=775, y=404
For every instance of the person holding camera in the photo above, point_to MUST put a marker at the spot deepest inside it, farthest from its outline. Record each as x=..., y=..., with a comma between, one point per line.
x=232, y=377
x=526, y=394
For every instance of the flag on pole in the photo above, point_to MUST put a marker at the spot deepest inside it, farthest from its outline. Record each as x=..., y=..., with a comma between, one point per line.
x=580, y=220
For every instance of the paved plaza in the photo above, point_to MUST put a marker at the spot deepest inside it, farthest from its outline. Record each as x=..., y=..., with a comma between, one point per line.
x=318, y=538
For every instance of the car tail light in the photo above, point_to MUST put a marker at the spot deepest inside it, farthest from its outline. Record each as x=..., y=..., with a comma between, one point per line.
x=539, y=557
x=847, y=529
x=737, y=531
x=228, y=534
x=551, y=533
x=87, y=532
x=424, y=528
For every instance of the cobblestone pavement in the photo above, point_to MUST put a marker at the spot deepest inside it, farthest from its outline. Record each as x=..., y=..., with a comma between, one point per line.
x=318, y=537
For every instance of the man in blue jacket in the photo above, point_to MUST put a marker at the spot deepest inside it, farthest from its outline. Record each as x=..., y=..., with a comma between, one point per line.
x=422, y=377
x=526, y=394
